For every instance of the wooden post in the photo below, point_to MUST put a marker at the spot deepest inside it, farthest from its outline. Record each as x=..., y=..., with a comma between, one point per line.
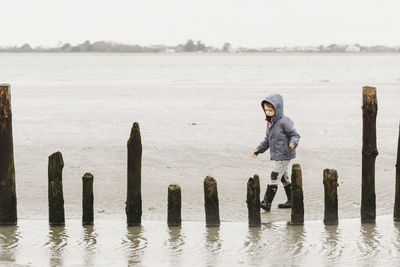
x=87, y=199
x=174, y=205
x=55, y=190
x=396, y=214
x=211, y=201
x=133, y=202
x=297, y=216
x=369, y=153
x=253, y=201
x=8, y=197
x=331, y=198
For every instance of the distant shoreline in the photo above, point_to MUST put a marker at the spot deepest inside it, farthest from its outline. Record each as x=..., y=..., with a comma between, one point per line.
x=194, y=47
x=296, y=53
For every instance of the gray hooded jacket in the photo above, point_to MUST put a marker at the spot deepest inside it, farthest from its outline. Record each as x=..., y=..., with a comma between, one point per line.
x=280, y=132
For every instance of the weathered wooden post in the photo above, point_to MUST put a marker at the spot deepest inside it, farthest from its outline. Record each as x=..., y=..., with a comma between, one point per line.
x=331, y=198
x=87, y=199
x=133, y=202
x=211, y=201
x=174, y=205
x=8, y=197
x=55, y=189
x=253, y=201
x=396, y=214
x=297, y=216
x=369, y=153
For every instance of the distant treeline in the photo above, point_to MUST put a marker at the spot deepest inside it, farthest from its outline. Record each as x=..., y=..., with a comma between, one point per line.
x=195, y=46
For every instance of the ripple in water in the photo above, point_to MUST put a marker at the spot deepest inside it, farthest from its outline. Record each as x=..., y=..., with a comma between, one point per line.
x=55, y=244
x=154, y=243
x=134, y=244
x=10, y=236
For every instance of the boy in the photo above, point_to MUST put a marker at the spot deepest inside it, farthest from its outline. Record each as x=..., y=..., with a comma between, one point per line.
x=282, y=139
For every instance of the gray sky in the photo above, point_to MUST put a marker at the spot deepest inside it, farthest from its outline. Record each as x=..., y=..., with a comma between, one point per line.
x=251, y=23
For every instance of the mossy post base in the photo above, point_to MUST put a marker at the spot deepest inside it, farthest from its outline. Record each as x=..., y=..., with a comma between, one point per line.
x=87, y=199
x=55, y=189
x=174, y=205
x=133, y=202
x=369, y=153
x=297, y=215
x=253, y=201
x=211, y=204
x=331, y=198
x=396, y=214
x=8, y=197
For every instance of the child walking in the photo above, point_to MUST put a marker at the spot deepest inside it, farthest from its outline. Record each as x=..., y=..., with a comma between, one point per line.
x=282, y=139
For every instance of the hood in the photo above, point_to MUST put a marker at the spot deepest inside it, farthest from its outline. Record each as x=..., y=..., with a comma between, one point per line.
x=277, y=101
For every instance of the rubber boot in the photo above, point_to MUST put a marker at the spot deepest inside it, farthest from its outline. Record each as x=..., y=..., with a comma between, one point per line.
x=268, y=197
x=288, y=203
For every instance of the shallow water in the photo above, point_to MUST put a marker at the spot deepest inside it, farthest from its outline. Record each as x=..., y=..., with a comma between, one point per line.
x=84, y=105
x=199, y=115
x=111, y=242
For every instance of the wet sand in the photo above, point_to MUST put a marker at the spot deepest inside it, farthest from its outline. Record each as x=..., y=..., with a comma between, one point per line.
x=199, y=116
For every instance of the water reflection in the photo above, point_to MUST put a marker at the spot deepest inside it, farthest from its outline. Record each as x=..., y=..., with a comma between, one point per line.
x=56, y=243
x=295, y=239
x=194, y=244
x=89, y=236
x=369, y=244
x=332, y=246
x=213, y=241
x=135, y=243
x=175, y=243
x=253, y=237
x=212, y=245
x=9, y=238
x=396, y=235
x=254, y=247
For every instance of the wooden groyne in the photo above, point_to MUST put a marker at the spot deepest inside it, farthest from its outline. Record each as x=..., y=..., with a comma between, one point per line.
x=211, y=203
x=55, y=189
x=331, y=197
x=87, y=199
x=174, y=205
x=297, y=215
x=133, y=207
x=396, y=212
x=369, y=153
x=134, y=193
x=8, y=197
x=253, y=201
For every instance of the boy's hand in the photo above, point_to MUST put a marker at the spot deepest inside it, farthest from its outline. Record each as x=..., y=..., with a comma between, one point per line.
x=255, y=153
x=291, y=146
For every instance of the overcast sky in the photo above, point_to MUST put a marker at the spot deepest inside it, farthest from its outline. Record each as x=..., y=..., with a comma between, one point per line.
x=251, y=23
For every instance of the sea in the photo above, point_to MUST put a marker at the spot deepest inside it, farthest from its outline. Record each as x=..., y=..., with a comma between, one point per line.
x=199, y=115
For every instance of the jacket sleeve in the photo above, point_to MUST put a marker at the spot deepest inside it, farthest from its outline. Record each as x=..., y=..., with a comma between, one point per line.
x=288, y=127
x=264, y=145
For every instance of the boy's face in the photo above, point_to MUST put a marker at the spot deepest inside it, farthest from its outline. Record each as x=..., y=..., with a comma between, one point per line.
x=269, y=110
